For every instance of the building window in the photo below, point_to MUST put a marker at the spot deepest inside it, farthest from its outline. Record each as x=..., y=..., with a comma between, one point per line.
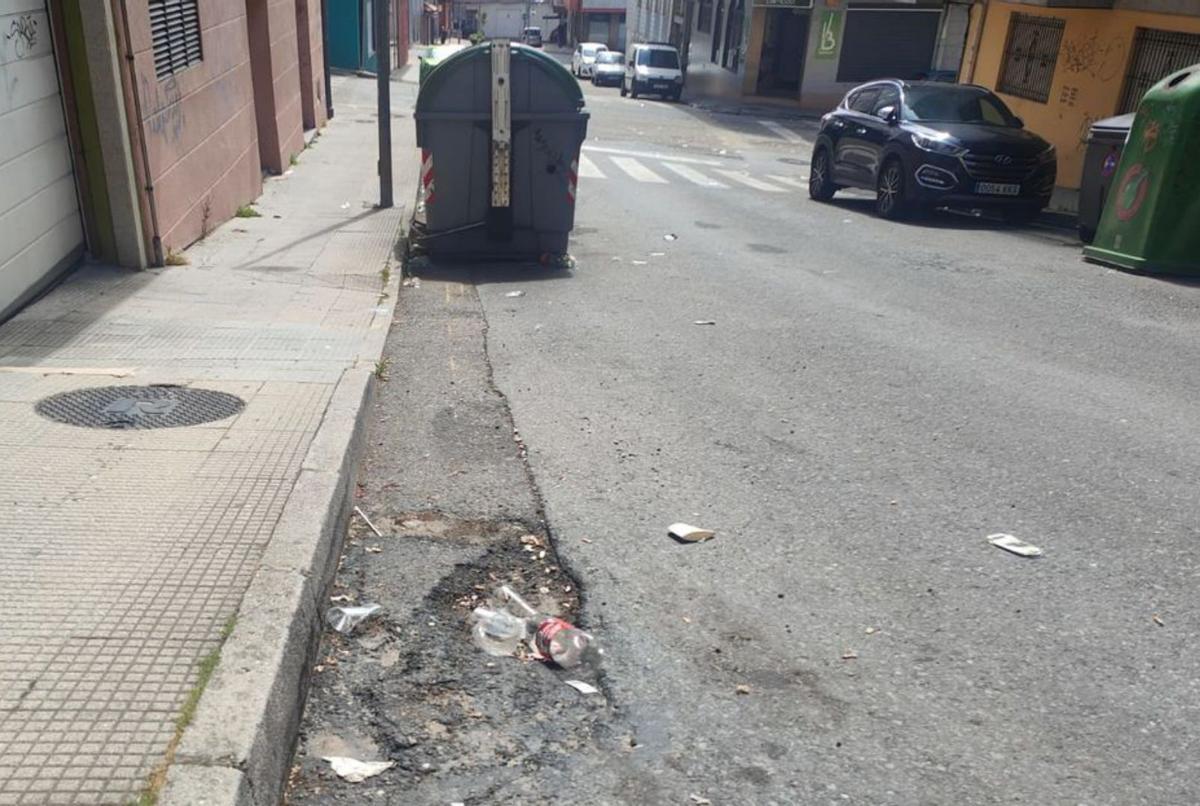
x=1030, y=56
x=1156, y=54
x=704, y=17
x=175, y=32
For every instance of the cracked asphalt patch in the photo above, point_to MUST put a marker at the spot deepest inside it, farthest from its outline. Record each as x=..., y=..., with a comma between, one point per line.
x=446, y=483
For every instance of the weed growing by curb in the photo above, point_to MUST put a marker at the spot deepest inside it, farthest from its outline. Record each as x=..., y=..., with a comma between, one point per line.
x=247, y=211
x=206, y=666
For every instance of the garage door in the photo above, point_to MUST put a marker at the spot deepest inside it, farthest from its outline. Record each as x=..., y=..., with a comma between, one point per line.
x=40, y=229
x=883, y=41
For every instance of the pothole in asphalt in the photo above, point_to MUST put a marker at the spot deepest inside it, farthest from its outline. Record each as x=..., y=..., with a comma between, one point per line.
x=458, y=723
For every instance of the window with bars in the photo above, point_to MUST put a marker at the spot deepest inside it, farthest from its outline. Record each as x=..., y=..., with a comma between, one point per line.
x=1030, y=56
x=1156, y=54
x=175, y=32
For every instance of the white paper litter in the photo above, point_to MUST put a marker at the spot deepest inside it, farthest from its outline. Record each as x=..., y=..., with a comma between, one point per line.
x=582, y=687
x=515, y=294
x=355, y=771
x=705, y=322
x=1015, y=545
x=689, y=533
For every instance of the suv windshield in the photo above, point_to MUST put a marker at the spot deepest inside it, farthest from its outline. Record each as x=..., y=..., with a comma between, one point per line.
x=955, y=105
x=592, y=50
x=609, y=57
x=667, y=59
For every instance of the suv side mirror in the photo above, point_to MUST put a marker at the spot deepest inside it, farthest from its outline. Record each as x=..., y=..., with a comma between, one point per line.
x=890, y=114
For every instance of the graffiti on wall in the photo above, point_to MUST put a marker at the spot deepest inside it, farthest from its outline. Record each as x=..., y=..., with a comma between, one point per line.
x=164, y=98
x=23, y=34
x=1101, y=59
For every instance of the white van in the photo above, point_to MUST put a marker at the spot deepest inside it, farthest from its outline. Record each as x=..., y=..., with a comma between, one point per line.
x=653, y=68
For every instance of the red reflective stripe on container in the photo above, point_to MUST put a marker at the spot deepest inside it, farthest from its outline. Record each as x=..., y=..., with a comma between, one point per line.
x=427, y=174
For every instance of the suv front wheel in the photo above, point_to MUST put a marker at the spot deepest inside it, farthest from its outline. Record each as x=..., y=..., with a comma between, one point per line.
x=891, y=198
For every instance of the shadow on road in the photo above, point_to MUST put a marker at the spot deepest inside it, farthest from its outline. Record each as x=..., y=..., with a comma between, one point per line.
x=484, y=272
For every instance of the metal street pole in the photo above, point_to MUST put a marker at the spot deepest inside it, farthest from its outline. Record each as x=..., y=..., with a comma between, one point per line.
x=383, y=78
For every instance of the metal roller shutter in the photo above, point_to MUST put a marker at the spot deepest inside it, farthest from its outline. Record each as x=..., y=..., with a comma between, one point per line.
x=881, y=42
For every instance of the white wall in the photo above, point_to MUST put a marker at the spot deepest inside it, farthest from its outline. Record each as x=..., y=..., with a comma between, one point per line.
x=40, y=227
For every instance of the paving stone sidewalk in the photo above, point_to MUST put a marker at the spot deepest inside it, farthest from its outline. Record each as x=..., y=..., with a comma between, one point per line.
x=124, y=553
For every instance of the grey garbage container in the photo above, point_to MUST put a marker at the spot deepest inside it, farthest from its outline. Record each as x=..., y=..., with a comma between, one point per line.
x=1106, y=140
x=454, y=118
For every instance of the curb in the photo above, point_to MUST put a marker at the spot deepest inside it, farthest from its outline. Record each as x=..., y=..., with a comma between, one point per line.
x=238, y=750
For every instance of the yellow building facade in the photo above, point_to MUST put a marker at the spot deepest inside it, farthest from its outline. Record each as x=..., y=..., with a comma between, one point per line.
x=1062, y=68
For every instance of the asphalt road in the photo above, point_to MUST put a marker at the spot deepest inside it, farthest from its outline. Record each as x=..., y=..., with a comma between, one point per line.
x=872, y=401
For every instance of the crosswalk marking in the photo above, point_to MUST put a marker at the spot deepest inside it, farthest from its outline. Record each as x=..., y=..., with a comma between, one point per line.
x=790, y=181
x=782, y=131
x=652, y=156
x=750, y=181
x=694, y=176
x=588, y=169
x=637, y=171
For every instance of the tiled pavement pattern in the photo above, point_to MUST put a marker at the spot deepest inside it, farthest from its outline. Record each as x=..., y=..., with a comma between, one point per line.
x=123, y=553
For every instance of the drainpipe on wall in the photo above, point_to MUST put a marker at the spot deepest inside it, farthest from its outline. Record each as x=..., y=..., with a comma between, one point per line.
x=978, y=41
x=133, y=116
x=325, y=58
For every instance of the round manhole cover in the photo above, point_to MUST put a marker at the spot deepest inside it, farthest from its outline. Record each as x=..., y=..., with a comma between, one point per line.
x=139, y=407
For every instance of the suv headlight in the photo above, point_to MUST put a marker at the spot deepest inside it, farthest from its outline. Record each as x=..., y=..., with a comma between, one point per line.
x=1049, y=155
x=936, y=146
x=679, y=79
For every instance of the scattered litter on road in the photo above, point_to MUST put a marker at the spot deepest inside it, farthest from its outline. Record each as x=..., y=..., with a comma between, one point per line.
x=847, y=221
x=498, y=631
x=1014, y=545
x=658, y=254
x=412, y=282
x=355, y=771
x=687, y=533
x=582, y=687
x=670, y=236
x=515, y=294
x=341, y=597
x=699, y=801
x=616, y=259
x=533, y=541
x=742, y=688
x=346, y=205
x=871, y=630
x=849, y=654
x=345, y=619
x=638, y=262
x=705, y=322
x=374, y=549
x=585, y=540
x=1158, y=620
x=358, y=511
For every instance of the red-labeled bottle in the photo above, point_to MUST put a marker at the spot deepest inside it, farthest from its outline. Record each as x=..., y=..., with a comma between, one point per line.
x=555, y=638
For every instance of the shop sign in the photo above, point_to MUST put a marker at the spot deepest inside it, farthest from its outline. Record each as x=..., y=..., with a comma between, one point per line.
x=830, y=33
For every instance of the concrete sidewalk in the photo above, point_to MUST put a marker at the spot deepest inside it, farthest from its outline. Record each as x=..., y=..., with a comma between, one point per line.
x=128, y=555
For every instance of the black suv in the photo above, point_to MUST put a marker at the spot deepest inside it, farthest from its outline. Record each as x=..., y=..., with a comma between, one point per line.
x=922, y=144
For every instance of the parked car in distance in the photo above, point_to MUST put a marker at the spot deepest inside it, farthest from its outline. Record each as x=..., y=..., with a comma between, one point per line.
x=609, y=68
x=653, y=68
x=921, y=145
x=532, y=37
x=584, y=58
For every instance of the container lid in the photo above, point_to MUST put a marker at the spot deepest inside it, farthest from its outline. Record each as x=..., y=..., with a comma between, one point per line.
x=1121, y=124
x=461, y=83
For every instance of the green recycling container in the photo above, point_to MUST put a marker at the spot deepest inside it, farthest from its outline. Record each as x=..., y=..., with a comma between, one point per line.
x=1151, y=219
x=435, y=55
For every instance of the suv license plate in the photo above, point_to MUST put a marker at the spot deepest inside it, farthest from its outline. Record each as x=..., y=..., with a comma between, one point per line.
x=997, y=189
